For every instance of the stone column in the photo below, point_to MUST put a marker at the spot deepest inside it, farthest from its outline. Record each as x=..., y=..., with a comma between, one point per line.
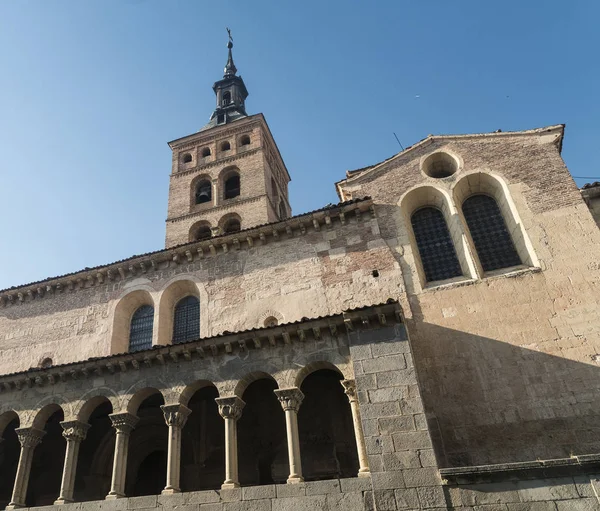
x=29, y=439
x=290, y=400
x=124, y=423
x=74, y=432
x=363, y=460
x=175, y=417
x=230, y=409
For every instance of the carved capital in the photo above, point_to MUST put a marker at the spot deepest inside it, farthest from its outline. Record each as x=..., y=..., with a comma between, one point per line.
x=230, y=407
x=29, y=437
x=175, y=415
x=75, y=430
x=290, y=399
x=124, y=422
x=350, y=389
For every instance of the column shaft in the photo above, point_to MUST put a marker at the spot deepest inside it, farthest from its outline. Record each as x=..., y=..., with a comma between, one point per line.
x=230, y=409
x=124, y=423
x=29, y=439
x=363, y=459
x=290, y=400
x=175, y=417
x=74, y=432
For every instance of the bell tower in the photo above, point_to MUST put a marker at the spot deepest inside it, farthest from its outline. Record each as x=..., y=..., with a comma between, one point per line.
x=229, y=175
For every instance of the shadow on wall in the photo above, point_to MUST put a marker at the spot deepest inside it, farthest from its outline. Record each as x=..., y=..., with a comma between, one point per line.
x=489, y=402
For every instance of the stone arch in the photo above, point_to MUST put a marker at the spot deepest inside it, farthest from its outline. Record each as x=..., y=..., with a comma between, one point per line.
x=194, y=183
x=123, y=311
x=226, y=185
x=317, y=366
x=226, y=221
x=192, y=388
x=44, y=414
x=92, y=399
x=200, y=230
x=174, y=290
x=270, y=313
x=140, y=395
x=249, y=378
x=6, y=418
x=432, y=196
x=489, y=183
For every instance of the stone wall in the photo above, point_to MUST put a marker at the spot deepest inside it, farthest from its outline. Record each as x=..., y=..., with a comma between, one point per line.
x=289, y=275
x=508, y=363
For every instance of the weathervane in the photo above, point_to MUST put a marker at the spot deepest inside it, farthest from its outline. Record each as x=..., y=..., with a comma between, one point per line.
x=230, y=38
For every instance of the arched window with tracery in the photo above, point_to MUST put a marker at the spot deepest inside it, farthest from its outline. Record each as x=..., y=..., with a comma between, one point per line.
x=232, y=187
x=436, y=249
x=490, y=235
x=186, y=323
x=140, y=330
x=204, y=192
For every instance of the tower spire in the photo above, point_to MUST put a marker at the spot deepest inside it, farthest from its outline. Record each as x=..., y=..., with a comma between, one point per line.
x=230, y=92
x=230, y=69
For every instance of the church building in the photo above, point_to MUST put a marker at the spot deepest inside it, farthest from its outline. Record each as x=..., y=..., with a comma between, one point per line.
x=431, y=342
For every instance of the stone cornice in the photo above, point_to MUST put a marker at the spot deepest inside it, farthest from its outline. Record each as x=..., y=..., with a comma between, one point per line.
x=137, y=266
x=230, y=205
x=362, y=318
x=200, y=169
x=190, y=141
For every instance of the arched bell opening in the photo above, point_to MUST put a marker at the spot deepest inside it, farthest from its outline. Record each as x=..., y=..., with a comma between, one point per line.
x=203, y=443
x=262, y=443
x=94, y=465
x=327, y=441
x=147, y=462
x=10, y=450
x=48, y=460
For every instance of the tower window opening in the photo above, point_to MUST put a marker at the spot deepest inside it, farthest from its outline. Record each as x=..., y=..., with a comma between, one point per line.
x=245, y=140
x=204, y=192
x=226, y=98
x=282, y=211
x=225, y=146
x=232, y=226
x=187, y=158
x=220, y=118
x=205, y=152
x=232, y=187
x=203, y=233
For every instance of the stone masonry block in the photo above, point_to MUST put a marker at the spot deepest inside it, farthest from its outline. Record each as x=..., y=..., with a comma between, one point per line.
x=322, y=487
x=355, y=484
x=147, y=501
x=411, y=440
x=577, y=505
x=531, y=506
x=548, y=489
x=383, y=349
x=290, y=490
x=308, y=503
x=385, y=500
x=398, y=424
x=406, y=498
x=388, y=394
x=389, y=363
x=377, y=410
x=258, y=492
x=395, y=378
x=387, y=480
x=202, y=497
x=415, y=477
x=366, y=382
x=231, y=495
x=431, y=496
x=248, y=505
x=401, y=460
x=211, y=507
x=345, y=501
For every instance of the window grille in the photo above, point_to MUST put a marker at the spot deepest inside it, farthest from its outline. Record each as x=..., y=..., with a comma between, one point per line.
x=140, y=332
x=436, y=249
x=492, y=240
x=186, y=325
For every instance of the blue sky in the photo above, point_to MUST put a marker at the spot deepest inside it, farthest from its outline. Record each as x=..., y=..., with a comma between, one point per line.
x=90, y=93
